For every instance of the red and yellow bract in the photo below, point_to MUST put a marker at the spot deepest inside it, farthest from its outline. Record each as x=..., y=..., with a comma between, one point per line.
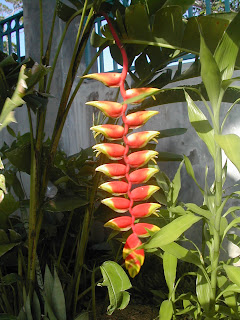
x=128, y=163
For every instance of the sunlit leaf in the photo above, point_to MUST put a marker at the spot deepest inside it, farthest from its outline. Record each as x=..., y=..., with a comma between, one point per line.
x=166, y=310
x=171, y=231
x=201, y=125
x=117, y=281
x=230, y=143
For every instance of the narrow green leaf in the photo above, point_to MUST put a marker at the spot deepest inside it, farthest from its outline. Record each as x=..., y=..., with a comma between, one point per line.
x=28, y=309
x=196, y=209
x=227, y=49
x=170, y=269
x=210, y=73
x=172, y=231
x=171, y=132
x=185, y=4
x=200, y=124
x=181, y=253
x=36, y=309
x=230, y=225
x=117, y=281
x=166, y=310
x=58, y=299
x=60, y=204
x=203, y=290
x=48, y=285
x=168, y=156
x=230, y=297
x=176, y=185
x=11, y=132
x=190, y=171
x=230, y=143
x=233, y=273
x=234, y=239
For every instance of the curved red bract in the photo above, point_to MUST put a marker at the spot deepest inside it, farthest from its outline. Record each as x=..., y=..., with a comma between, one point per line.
x=128, y=164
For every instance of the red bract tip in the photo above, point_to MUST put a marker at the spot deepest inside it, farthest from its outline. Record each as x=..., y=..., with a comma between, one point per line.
x=145, y=209
x=111, y=150
x=109, y=108
x=120, y=205
x=116, y=188
x=141, y=229
x=110, y=131
x=142, y=175
x=120, y=223
x=143, y=193
x=131, y=93
x=139, y=118
x=113, y=170
x=140, y=158
x=110, y=79
x=141, y=139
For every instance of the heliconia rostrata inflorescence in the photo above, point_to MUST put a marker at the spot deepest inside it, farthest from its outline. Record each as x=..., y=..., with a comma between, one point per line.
x=124, y=170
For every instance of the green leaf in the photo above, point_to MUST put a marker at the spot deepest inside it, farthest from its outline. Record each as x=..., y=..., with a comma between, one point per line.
x=190, y=171
x=61, y=204
x=171, y=231
x=7, y=317
x=234, y=239
x=11, y=131
x=231, y=225
x=210, y=73
x=166, y=310
x=64, y=12
x=181, y=253
x=233, y=273
x=20, y=156
x=10, y=279
x=170, y=269
x=117, y=281
x=175, y=186
x=48, y=285
x=7, y=114
x=201, y=125
x=96, y=40
x=196, y=209
x=227, y=49
x=203, y=290
x=82, y=316
x=36, y=309
x=2, y=183
x=58, y=300
x=171, y=132
x=230, y=297
x=185, y=4
x=137, y=22
x=8, y=206
x=168, y=26
x=230, y=143
x=28, y=309
x=168, y=156
x=5, y=244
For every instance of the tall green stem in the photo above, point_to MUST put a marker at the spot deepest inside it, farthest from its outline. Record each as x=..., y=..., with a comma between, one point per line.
x=217, y=203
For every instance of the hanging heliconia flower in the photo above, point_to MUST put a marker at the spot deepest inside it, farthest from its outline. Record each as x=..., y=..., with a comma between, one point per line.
x=127, y=165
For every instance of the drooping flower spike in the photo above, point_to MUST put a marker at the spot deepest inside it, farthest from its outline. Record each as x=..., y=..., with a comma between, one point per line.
x=127, y=166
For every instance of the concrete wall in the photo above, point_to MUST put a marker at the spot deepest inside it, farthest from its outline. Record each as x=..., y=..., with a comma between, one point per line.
x=76, y=132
